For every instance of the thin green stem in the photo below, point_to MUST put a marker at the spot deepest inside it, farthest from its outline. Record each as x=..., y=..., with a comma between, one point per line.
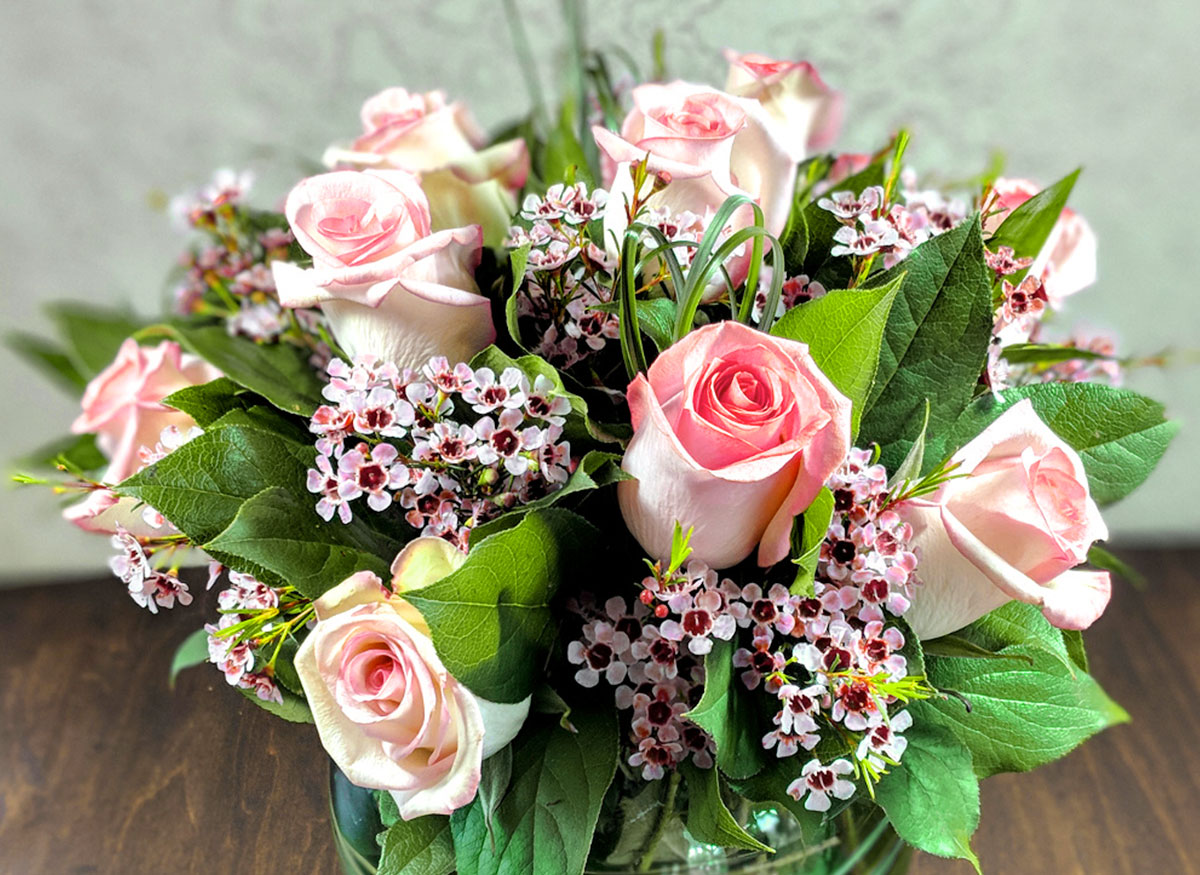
x=668, y=812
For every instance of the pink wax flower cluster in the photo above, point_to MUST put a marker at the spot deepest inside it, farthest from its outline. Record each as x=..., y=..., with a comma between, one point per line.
x=472, y=443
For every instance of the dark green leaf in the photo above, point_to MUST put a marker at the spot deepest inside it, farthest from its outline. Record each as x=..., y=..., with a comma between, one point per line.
x=935, y=343
x=285, y=666
x=356, y=824
x=1105, y=560
x=932, y=798
x=493, y=784
x=517, y=259
x=544, y=824
x=1047, y=354
x=1119, y=434
x=92, y=335
x=208, y=402
x=1073, y=641
x=418, y=847
x=1022, y=715
x=811, y=528
x=193, y=651
x=201, y=486
x=770, y=786
x=957, y=646
x=657, y=320
x=78, y=454
x=49, y=358
x=280, y=372
x=279, y=535
x=727, y=714
x=491, y=620
x=844, y=331
x=708, y=820
x=1027, y=228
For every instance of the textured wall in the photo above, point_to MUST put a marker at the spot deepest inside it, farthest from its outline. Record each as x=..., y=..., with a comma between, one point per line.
x=105, y=103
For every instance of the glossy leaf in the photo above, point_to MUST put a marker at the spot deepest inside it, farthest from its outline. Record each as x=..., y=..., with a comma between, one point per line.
x=708, y=820
x=726, y=712
x=417, y=847
x=1027, y=228
x=192, y=651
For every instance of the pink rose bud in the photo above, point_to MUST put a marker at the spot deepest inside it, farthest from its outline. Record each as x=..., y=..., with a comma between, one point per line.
x=1012, y=529
x=708, y=145
x=806, y=111
x=386, y=709
x=1066, y=263
x=123, y=407
x=390, y=286
x=735, y=432
x=467, y=181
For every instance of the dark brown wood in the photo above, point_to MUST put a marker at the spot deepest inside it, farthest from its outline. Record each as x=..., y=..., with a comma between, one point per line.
x=103, y=769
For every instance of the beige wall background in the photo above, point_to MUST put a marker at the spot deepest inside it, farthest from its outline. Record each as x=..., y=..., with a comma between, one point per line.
x=106, y=103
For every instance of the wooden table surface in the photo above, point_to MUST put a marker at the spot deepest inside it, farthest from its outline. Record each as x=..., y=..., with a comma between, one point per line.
x=103, y=769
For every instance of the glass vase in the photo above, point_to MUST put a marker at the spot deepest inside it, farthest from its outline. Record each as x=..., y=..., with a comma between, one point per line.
x=661, y=846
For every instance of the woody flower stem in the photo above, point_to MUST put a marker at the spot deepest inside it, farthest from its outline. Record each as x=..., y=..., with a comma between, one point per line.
x=668, y=812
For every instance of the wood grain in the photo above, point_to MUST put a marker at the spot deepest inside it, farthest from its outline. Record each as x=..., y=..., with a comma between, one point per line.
x=103, y=769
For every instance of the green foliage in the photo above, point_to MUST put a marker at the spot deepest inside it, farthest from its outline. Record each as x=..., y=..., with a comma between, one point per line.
x=293, y=709
x=1027, y=228
x=935, y=343
x=92, y=335
x=1030, y=706
x=208, y=402
x=844, y=331
x=417, y=847
x=50, y=358
x=1119, y=434
x=545, y=821
x=192, y=651
x=1047, y=354
x=1106, y=560
x=77, y=454
x=279, y=372
x=491, y=620
x=932, y=800
x=494, y=777
x=517, y=259
x=770, y=786
x=727, y=712
x=277, y=533
x=708, y=820
x=811, y=529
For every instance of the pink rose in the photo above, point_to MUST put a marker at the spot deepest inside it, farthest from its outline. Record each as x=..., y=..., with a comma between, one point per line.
x=1012, y=529
x=389, y=285
x=1066, y=263
x=735, y=432
x=806, y=111
x=466, y=181
x=708, y=145
x=123, y=407
x=386, y=709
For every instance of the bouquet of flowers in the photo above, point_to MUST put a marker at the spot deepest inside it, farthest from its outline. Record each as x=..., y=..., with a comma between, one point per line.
x=649, y=487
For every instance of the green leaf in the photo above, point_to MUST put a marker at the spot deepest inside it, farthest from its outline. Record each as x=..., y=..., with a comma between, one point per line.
x=932, y=798
x=910, y=469
x=491, y=620
x=935, y=343
x=812, y=528
x=208, y=402
x=193, y=651
x=1119, y=434
x=657, y=320
x=544, y=823
x=356, y=823
x=727, y=714
x=285, y=666
x=294, y=709
x=1027, y=228
x=708, y=820
x=201, y=486
x=279, y=535
x=1022, y=715
x=770, y=786
x=1047, y=354
x=49, y=358
x=78, y=454
x=1073, y=641
x=417, y=847
x=578, y=428
x=956, y=646
x=279, y=372
x=1105, y=560
x=844, y=330
x=493, y=784
x=92, y=335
